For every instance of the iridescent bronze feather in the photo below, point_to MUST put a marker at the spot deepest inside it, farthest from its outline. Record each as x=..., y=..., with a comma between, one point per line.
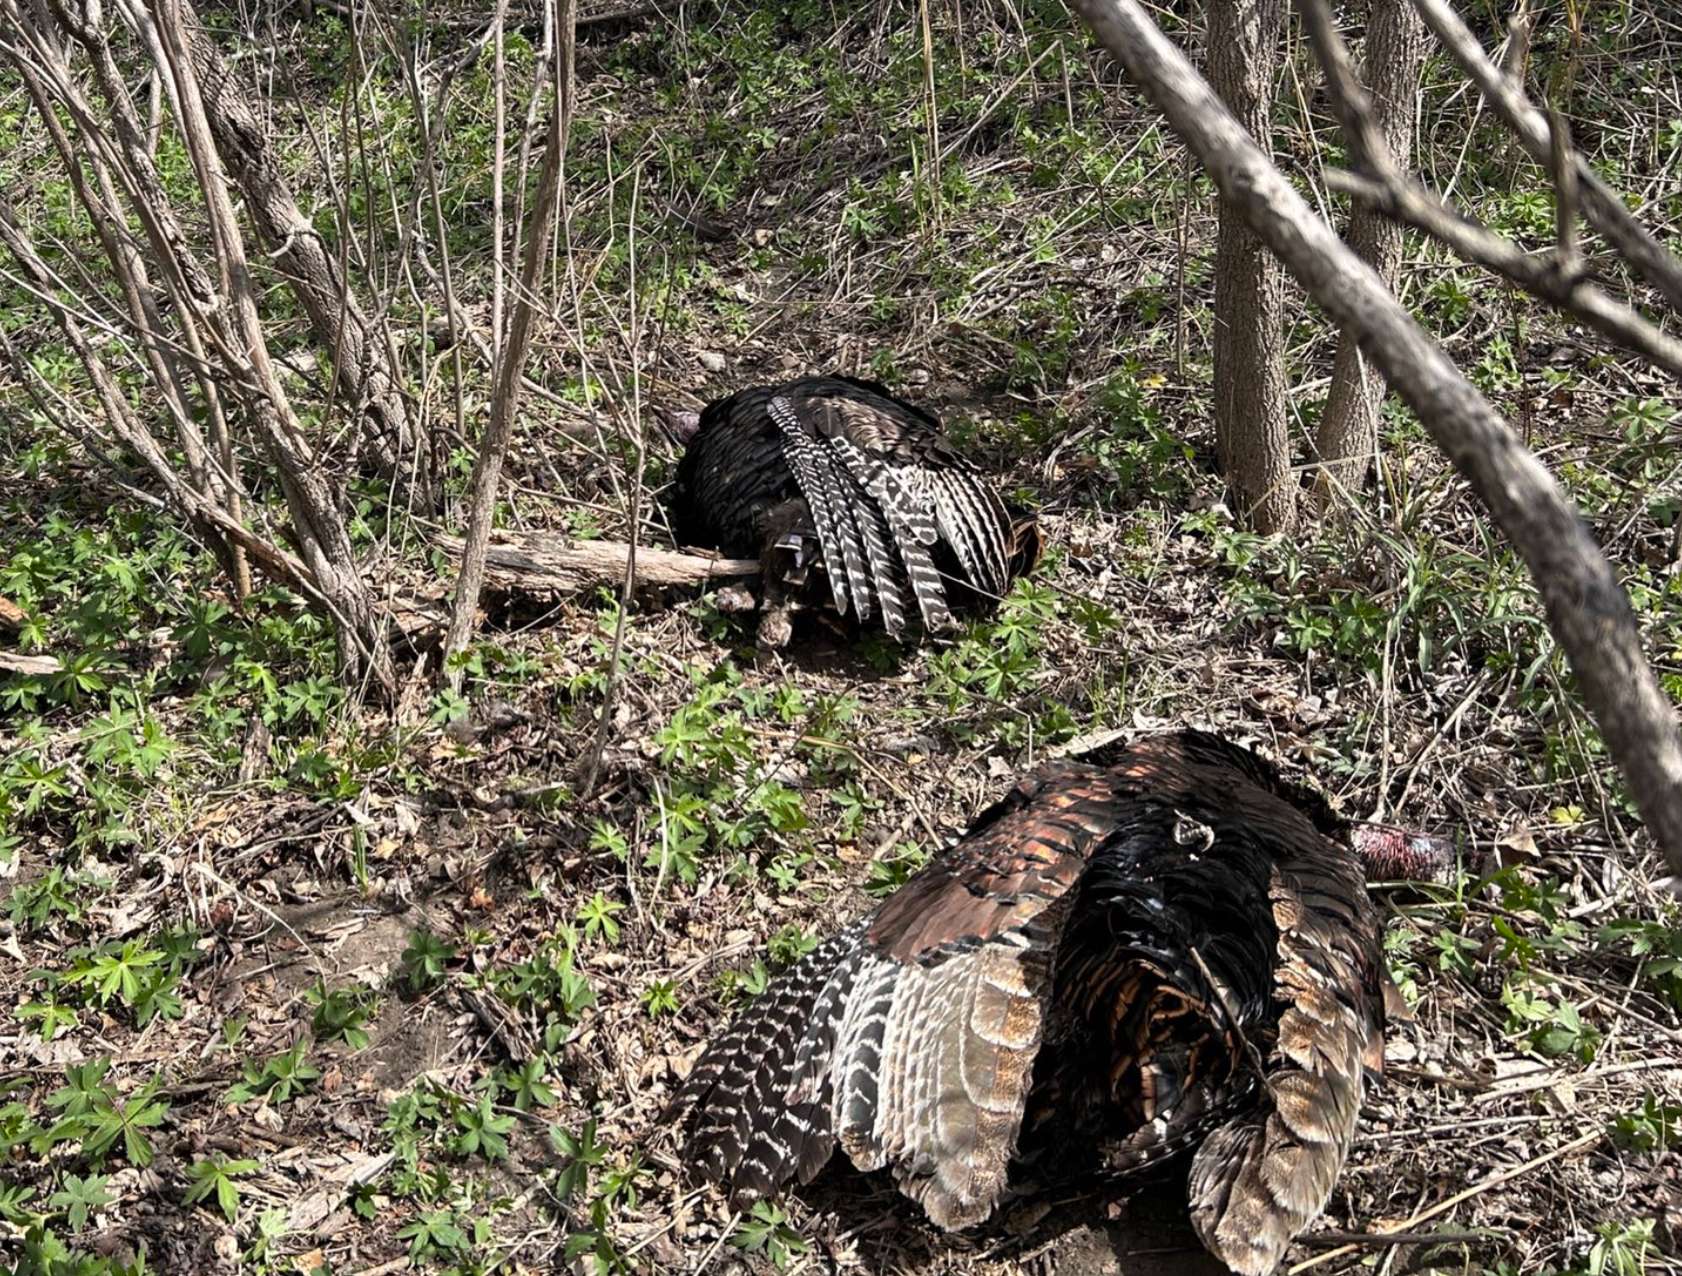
x=1165, y=948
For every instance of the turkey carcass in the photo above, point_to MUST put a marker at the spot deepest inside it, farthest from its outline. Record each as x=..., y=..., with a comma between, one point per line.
x=844, y=491
x=1168, y=948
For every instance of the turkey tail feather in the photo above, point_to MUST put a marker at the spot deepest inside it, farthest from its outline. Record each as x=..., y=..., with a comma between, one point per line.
x=850, y=519
x=925, y=584
x=911, y=521
x=753, y=1118
x=1259, y=1180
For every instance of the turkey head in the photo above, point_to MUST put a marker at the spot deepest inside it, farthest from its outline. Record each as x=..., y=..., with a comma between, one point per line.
x=1169, y=952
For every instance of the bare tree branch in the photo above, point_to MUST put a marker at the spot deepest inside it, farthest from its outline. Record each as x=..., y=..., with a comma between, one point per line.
x=505, y=396
x=1562, y=164
x=125, y=426
x=322, y=535
x=1587, y=609
x=361, y=364
x=1555, y=277
x=218, y=476
x=1601, y=205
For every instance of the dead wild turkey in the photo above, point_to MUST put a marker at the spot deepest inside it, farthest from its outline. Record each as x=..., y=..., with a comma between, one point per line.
x=834, y=477
x=1162, y=948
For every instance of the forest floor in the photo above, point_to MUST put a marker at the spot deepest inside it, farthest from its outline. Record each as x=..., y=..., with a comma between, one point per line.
x=291, y=986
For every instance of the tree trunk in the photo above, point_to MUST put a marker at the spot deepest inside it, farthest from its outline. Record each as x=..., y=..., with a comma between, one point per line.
x=1252, y=438
x=1347, y=440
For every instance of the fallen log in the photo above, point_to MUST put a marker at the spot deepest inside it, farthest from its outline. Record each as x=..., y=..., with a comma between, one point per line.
x=548, y=561
x=17, y=662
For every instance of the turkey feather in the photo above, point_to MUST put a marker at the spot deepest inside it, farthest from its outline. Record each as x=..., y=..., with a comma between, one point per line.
x=897, y=514
x=1168, y=948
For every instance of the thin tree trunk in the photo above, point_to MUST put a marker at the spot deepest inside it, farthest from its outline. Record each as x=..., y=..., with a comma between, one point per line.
x=505, y=396
x=1587, y=610
x=322, y=535
x=1252, y=437
x=1347, y=440
x=366, y=371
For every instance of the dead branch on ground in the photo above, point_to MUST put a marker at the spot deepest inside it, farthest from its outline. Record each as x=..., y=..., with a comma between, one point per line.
x=538, y=562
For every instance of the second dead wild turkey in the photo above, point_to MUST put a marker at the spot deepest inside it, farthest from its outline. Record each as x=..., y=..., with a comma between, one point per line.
x=843, y=490
x=1165, y=948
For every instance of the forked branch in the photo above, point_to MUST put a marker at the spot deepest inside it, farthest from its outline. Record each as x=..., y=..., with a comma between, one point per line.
x=1555, y=277
x=1587, y=609
x=1602, y=207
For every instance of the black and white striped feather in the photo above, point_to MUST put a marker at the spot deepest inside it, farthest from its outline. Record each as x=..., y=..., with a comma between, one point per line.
x=899, y=517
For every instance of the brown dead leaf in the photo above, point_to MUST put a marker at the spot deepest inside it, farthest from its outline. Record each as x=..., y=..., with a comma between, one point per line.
x=1517, y=847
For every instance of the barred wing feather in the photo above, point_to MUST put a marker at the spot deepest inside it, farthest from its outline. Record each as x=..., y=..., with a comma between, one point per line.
x=906, y=489
x=1103, y=963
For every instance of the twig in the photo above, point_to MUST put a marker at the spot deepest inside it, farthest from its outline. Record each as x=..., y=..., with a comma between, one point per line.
x=1539, y=275
x=1517, y=52
x=1601, y=205
x=1442, y=1207
x=1577, y=1078
x=627, y=591
x=493, y=446
x=1379, y=1240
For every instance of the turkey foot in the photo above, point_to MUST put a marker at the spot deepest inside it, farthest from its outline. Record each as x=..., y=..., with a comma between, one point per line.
x=733, y=599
